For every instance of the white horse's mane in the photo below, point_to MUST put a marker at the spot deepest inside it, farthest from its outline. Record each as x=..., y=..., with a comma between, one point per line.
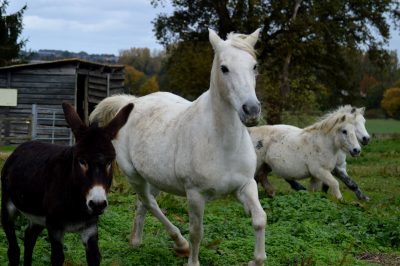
x=238, y=40
x=333, y=120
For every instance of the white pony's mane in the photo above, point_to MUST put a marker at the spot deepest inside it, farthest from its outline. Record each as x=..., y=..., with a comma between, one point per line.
x=351, y=110
x=333, y=120
x=238, y=40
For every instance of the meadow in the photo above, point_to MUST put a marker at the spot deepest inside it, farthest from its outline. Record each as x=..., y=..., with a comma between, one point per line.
x=303, y=228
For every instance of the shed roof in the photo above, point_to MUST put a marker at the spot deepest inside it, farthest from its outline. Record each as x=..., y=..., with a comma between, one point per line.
x=74, y=61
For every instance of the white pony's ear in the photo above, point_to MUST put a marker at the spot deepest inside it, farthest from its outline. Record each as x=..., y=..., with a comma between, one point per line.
x=253, y=38
x=214, y=38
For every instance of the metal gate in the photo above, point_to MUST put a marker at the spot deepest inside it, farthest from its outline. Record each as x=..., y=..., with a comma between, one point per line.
x=48, y=125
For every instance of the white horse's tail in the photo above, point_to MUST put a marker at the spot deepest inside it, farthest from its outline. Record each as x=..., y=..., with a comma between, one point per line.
x=108, y=108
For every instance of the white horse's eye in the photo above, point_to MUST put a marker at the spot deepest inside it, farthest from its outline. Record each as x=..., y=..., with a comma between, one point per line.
x=255, y=67
x=344, y=131
x=224, y=69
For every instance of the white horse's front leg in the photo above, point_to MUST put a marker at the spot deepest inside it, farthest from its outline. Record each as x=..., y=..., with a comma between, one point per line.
x=148, y=200
x=196, y=212
x=138, y=224
x=248, y=195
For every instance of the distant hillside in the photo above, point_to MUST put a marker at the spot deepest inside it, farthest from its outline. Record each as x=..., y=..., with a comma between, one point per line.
x=50, y=55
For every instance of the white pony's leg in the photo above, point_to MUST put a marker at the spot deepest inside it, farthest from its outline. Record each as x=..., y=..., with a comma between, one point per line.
x=148, y=200
x=327, y=178
x=248, y=195
x=315, y=184
x=196, y=212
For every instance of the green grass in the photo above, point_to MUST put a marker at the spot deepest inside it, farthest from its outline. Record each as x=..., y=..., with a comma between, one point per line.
x=303, y=228
x=7, y=148
x=383, y=126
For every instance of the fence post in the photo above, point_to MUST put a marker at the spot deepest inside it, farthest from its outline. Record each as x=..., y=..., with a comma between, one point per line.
x=34, y=121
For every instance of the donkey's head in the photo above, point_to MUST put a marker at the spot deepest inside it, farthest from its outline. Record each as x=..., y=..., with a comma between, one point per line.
x=93, y=156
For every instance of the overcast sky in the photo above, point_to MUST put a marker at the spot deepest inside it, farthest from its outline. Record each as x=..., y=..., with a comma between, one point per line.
x=96, y=26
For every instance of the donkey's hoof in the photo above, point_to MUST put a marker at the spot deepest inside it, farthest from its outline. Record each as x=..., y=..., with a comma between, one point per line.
x=182, y=251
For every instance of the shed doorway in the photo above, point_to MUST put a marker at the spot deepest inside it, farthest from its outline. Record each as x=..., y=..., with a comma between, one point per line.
x=81, y=97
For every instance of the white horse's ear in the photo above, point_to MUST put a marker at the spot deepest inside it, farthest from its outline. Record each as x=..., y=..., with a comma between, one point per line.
x=214, y=38
x=253, y=38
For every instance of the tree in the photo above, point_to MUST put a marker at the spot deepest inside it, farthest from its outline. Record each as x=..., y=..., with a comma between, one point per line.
x=299, y=38
x=134, y=79
x=142, y=59
x=150, y=86
x=391, y=102
x=188, y=67
x=10, y=29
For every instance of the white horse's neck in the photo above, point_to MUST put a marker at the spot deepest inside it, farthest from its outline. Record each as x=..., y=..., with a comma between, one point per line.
x=228, y=127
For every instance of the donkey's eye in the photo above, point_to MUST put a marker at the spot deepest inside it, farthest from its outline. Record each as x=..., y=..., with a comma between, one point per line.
x=344, y=131
x=224, y=69
x=82, y=162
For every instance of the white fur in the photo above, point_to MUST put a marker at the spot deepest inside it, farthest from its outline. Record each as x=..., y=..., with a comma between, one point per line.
x=87, y=233
x=294, y=153
x=198, y=149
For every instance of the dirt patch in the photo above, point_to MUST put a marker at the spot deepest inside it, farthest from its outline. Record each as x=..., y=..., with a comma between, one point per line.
x=381, y=259
x=4, y=155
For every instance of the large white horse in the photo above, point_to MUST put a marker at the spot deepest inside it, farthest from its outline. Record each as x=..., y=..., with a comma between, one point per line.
x=201, y=150
x=293, y=153
x=340, y=170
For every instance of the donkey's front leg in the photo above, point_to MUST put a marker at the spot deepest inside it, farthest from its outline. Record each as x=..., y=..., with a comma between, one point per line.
x=31, y=235
x=196, y=212
x=56, y=237
x=248, y=195
x=90, y=239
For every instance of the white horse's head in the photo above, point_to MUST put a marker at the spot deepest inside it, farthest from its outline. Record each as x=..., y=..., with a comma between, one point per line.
x=361, y=131
x=346, y=138
x=234, y=73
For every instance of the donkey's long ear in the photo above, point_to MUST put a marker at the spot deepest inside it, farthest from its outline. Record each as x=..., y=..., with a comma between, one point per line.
x=73, y=120
x=253, y=38
x=214, y=38
x=118, y=121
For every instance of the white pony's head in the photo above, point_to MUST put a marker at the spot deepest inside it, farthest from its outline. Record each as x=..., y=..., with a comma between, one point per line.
x=361, y=131
x=359, y=122
x=234, y=73
x=346, y=137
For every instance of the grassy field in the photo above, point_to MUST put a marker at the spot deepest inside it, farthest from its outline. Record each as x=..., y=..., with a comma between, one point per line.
x=303, y=228
x=383, y=126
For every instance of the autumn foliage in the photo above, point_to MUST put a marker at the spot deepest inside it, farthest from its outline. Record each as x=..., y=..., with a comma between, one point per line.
x=391, y=102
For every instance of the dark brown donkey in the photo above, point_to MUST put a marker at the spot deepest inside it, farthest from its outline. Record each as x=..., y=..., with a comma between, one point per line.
x=63, y=189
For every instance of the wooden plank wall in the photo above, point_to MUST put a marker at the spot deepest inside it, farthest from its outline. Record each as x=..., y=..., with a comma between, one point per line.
x=97, y=85
x=46, y=87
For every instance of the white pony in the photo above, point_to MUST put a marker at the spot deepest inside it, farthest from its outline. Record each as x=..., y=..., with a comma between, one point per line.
x=201, y=150
x=340, y=170
x=293, y=153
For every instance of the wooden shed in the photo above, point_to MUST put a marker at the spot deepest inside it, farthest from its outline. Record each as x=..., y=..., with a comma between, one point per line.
x=46, y=85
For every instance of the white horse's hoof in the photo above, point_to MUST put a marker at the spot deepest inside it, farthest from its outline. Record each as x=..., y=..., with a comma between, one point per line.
x=183, y=250
x=135, y=243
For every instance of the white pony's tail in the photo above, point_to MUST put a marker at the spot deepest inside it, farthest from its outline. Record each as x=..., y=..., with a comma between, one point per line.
x=108, y=108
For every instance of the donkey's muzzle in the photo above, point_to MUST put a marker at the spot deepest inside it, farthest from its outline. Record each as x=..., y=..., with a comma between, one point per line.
x=251, y=111
x=97, y=207
x=96, y=200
